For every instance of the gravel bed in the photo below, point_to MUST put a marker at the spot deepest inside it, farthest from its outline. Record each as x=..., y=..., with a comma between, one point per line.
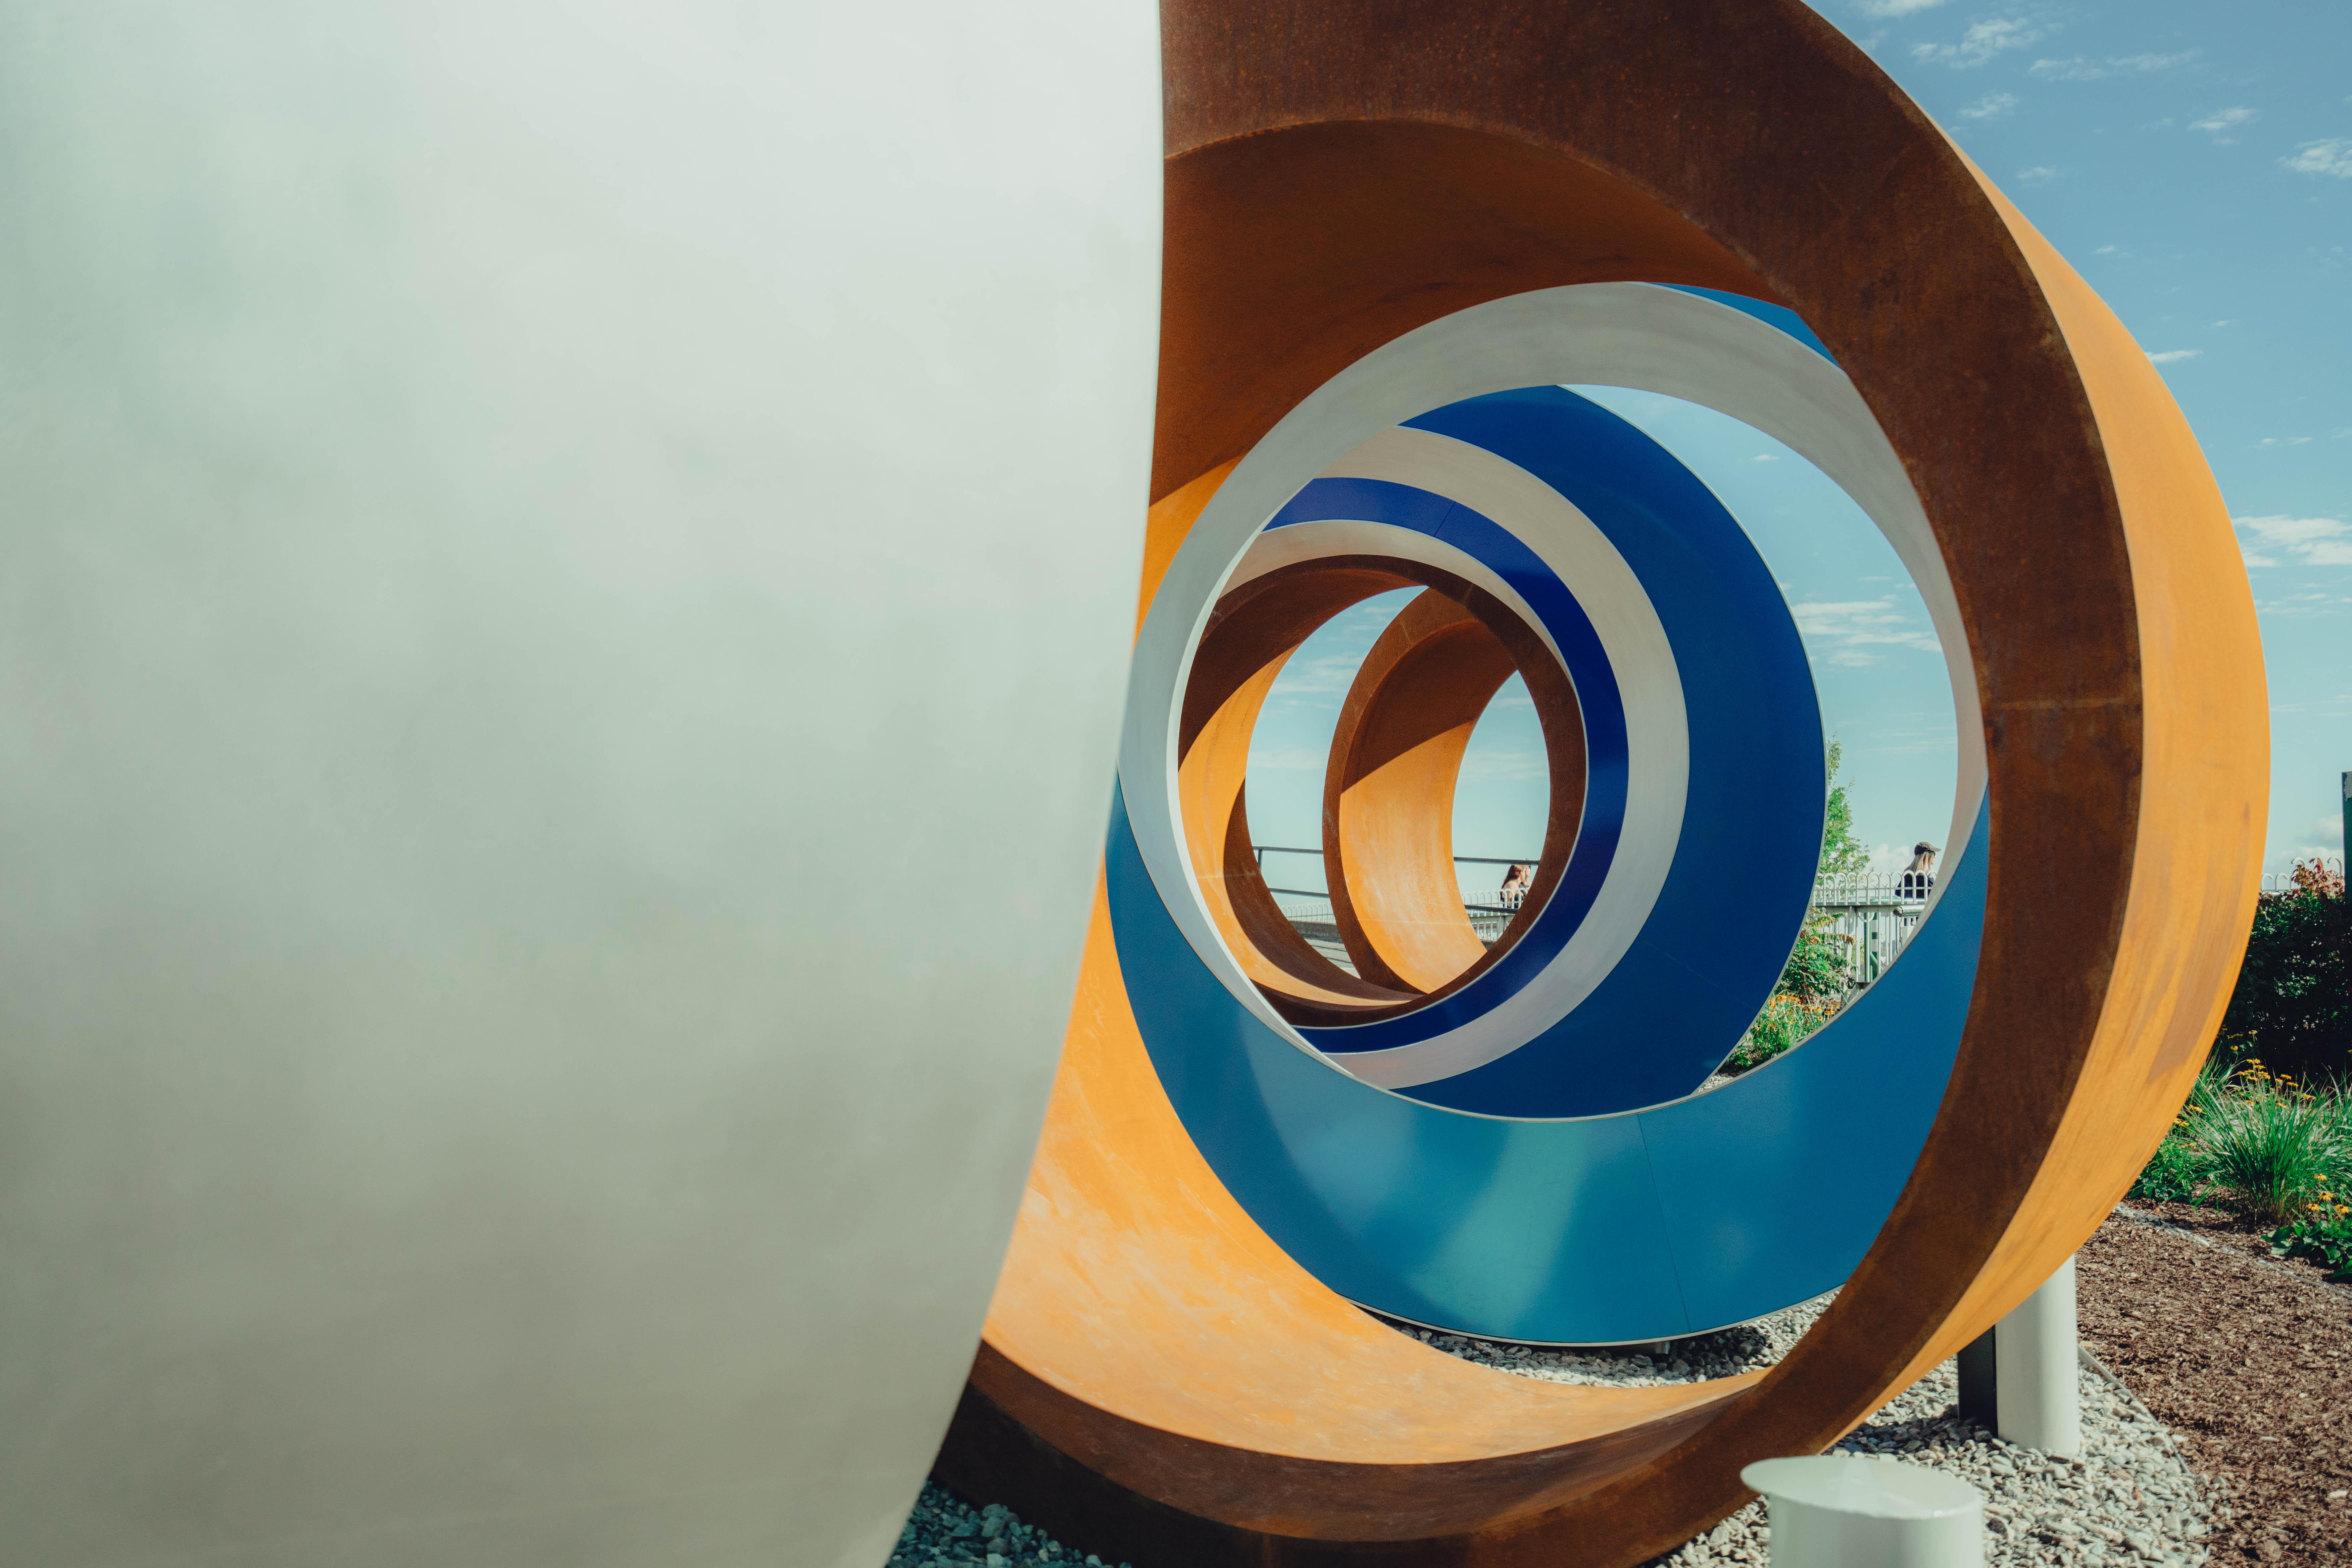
x=946, y=1529
x=2131, y=1498
x=1726, y=1352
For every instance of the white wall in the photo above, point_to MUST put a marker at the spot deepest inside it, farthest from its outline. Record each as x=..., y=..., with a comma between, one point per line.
x=565, y=578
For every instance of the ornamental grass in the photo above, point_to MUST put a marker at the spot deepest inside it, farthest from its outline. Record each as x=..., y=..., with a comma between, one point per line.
x=2275, y=1143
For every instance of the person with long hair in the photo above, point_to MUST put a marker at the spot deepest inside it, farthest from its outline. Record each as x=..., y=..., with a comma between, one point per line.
x=1920, y=877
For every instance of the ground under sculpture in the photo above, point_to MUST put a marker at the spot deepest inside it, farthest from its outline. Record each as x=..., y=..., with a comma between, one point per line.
x=1383, y=227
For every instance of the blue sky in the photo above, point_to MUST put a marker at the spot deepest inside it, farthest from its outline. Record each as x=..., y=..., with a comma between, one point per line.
x=2198, y=170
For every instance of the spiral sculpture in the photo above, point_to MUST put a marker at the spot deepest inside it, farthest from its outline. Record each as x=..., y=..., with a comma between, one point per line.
x=1393, y=234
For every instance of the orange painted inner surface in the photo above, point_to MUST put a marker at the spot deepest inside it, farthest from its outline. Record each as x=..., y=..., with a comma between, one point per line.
x=1166, y=527
x=1211, y=784
x=1388, y=795
x=1136, y=1285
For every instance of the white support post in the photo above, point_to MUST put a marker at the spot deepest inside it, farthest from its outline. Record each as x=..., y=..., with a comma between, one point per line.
x=2022, y=1377
x=2038, y=1369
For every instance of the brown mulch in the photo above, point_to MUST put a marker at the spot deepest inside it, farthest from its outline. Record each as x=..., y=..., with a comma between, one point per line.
x=2249, y=1362
x=2221, y=1222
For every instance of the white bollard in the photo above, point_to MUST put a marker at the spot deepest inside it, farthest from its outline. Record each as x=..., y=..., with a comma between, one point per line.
x=2039, y=1369
x=1840, y=1511
x=2022, y=1377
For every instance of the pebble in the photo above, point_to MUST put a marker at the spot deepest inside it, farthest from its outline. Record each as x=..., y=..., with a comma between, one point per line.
x=946, y=1529
x=2129, y=1500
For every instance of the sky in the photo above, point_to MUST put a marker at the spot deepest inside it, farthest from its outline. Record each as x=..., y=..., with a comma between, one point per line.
x=2194, y=162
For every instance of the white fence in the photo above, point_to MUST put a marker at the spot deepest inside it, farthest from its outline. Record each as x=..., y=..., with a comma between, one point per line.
x=1875, y=913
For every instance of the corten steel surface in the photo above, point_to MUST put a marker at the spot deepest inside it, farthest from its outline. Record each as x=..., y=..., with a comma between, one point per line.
x=1388, y=791
x=1160, y=1378
x=1441, y=691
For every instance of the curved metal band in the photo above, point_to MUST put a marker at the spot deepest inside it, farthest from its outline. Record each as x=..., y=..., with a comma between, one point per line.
x=1345, y=171
x=1387, y=793
x=1251, y=636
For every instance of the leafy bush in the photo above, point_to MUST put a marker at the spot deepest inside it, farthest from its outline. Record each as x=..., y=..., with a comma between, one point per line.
x=2293, y=1005
x=2174, y=1173
x=1812, y=983
x=2321, y=1232
x=2269, y=1140
x=1811, y=990
x=1841, y=850
x=1785, y=1021
x=1816, y=971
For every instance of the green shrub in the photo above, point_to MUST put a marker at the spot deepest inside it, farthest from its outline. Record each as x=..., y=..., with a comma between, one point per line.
x=2321, y=1231
x=1841, y=850
x=2174, y=1175
x=2272, y=1141
x=1809, y=994
x=2292, y=1005
x=1816, y=971
x=1785, y=1021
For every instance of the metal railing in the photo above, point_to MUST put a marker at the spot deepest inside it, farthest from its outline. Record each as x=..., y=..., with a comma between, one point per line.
x=1877, y=912
x=1262, y=850
x=1309, y=908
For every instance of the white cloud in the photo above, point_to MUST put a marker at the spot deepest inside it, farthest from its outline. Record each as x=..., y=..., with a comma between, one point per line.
x=2312, y=541
x=2228, y=323
x=1992, y=106
x=2169, y=355
x=2039, y=174
x=1896, y=7
x=2300, y=607
x=2223, y=120
x=2081, y=69
x=1982, y=41
x=2285, y=441
x=2333, y=157
x=1765, y=457
x=1855, y=632
x=2104, y=250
